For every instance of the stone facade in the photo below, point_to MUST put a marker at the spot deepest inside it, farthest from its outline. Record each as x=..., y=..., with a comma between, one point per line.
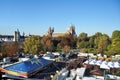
x=51, y=33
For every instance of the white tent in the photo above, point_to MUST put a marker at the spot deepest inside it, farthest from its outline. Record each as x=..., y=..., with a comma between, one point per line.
x=116, y=65
x=104, y=65
x=99, y=62
x=93, y=62
x=111, y=64
x=87, y=61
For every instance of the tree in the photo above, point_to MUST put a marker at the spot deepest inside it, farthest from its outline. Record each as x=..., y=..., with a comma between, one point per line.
x=103, y=43
x=9, y=49
x=96, y=39
x=66, y=48
x=47, y=43
x=67, y=40
x=82, y=36
x=32, y=45
x=83, y=44
x=82, y=40
x=115, y=34
x=3, y=50
x=115, y=47
x=91, y=42
x=59, y=47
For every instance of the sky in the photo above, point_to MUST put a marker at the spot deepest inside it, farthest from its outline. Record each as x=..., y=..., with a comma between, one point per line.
x=36, y=16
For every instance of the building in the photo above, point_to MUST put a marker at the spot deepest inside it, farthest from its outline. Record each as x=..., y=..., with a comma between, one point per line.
x=10, y=38
x=51, y=33
x=19, y=38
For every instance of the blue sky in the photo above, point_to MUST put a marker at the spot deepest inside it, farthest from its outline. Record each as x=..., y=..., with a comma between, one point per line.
x=36, y=16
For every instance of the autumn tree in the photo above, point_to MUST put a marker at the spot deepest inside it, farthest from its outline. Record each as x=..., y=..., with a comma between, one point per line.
x=47, y=43
x=67, y=40
x=3, y=50
x=66, y=48
x=9, y=49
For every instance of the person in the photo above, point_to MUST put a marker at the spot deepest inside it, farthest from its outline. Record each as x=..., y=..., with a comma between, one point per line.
x=41, y=53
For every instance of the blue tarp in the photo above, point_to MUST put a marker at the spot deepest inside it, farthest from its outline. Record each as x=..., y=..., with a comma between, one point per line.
x=30, y=65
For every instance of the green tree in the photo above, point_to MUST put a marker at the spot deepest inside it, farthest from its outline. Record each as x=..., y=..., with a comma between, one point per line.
x=115, y=46
x=32, y=45
x=96, y=39
x=82, y=40
x=83, y=44
x=59, y=47
x=103, y=43
x=115, y=34
x=91, y=42
x=82, y=36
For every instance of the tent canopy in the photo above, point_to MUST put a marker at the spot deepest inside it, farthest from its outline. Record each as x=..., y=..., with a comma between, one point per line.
x=28, y=66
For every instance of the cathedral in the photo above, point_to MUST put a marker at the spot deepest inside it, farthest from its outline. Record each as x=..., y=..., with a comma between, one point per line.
x=51, y=33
